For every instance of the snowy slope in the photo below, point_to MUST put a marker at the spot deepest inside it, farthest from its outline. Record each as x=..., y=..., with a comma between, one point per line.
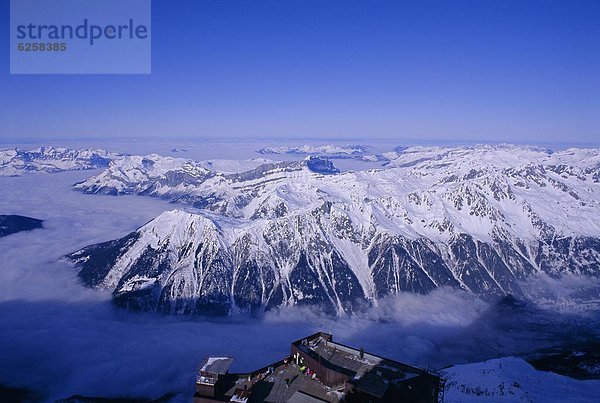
x=514, y=380
x=477, y=218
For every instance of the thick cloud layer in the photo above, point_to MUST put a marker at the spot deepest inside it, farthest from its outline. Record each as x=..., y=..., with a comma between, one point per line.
x=60, y=338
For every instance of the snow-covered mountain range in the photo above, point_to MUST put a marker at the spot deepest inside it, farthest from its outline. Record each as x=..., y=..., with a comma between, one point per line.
x=16, y=162
x=333, y=151
x=322, y=150
x=301, y=233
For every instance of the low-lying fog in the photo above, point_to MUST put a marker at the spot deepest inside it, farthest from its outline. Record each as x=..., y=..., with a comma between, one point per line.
x=60, y=338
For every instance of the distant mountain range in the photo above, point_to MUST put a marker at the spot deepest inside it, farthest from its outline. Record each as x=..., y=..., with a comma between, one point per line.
x=322, y=150
x=333, y=151
x=16, y=162
x=301, y=233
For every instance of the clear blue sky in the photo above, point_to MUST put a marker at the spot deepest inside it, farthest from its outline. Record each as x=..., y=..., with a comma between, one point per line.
x=516, y=71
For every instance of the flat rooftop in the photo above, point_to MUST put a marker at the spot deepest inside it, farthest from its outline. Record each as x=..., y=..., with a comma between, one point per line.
x=212, y=368
x=368, y=372
x=272, y=387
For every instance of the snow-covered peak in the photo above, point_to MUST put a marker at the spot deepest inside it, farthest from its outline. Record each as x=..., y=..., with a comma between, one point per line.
x=175, y=229
x=137, y=174
x=179, y=224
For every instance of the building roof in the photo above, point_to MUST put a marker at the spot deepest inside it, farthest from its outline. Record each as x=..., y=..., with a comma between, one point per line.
x=271, y=386
x=217, y=365
x=368, y=372
x=364, y=375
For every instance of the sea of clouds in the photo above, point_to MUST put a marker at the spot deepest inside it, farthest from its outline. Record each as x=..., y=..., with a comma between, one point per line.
x=59, y=338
